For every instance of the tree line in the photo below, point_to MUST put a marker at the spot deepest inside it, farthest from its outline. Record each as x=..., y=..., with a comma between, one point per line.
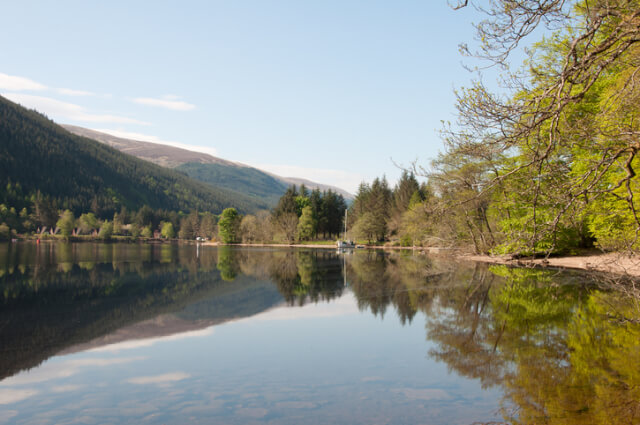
x=300, y=215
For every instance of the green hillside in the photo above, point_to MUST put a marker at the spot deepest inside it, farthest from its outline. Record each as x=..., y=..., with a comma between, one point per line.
x=250, y=181
x=79, y=173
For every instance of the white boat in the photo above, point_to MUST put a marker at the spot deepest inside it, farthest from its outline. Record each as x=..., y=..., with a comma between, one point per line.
x=345, y=243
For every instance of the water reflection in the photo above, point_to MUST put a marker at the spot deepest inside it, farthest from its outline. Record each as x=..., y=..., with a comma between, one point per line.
x=559, y=347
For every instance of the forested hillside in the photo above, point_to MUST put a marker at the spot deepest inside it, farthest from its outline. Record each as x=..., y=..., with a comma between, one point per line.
x=39, y=158
x=246, y=180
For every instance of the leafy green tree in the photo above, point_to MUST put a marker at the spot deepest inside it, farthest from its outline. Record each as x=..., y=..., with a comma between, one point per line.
x=562, y=145
x=228, y=226
x=146, y=232
x=306, y=224
x=167, y=231
x=367, y=227
x=134, y=230
x=415, y=224
x=5, y=232
x=106, y=230
x=66, y=223
x=301, y=203
x=88, y=223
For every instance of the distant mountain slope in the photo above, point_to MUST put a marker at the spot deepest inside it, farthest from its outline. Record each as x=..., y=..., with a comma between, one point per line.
x=77, y=171
x=164, y=155
x=247, y=180
x=258, y=184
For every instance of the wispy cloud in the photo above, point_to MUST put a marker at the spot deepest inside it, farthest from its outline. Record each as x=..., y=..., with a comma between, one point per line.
x=67, y=111
x=65, y=388
x=167, y=102
x=15, y=83
x=339, y=178
x=153, y=139
x=159, y=379
x=57, y=370
x=9, y=396
x=72, y=92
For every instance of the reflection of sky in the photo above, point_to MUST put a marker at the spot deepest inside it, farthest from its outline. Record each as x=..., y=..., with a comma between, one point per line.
x=320, y=363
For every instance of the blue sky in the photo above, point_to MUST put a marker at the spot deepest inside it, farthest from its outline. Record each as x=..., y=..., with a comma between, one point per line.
x=333, y=91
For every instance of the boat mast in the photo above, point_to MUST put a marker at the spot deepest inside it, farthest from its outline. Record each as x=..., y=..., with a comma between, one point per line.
x=345, y=224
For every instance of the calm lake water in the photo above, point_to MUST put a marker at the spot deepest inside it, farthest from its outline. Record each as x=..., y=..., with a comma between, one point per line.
x=166, y=334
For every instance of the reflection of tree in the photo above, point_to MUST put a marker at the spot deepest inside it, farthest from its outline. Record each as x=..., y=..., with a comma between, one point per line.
x=551, y=345
x=405, y=281
x=284, y=273
x=368, y=282
x=321, y=274
x=306, y=275
x=467, y=340
x=563, y=351
x=227, y=263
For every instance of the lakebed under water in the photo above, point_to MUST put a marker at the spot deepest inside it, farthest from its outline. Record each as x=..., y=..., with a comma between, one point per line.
x=173, y=334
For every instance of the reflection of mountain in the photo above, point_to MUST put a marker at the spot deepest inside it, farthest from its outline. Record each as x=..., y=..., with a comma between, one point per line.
x=61, y=298
x=46, y=310
x=227, y=302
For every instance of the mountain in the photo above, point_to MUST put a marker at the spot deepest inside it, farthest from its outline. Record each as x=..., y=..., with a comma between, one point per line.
x=247, y=180
x=79, y=173
x=255, y=183
x=164, y=155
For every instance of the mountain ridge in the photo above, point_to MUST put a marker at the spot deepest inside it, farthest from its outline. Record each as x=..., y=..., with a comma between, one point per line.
x=177, y=158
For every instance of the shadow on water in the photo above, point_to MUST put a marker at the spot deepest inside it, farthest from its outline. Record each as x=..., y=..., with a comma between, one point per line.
x=561, y=347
